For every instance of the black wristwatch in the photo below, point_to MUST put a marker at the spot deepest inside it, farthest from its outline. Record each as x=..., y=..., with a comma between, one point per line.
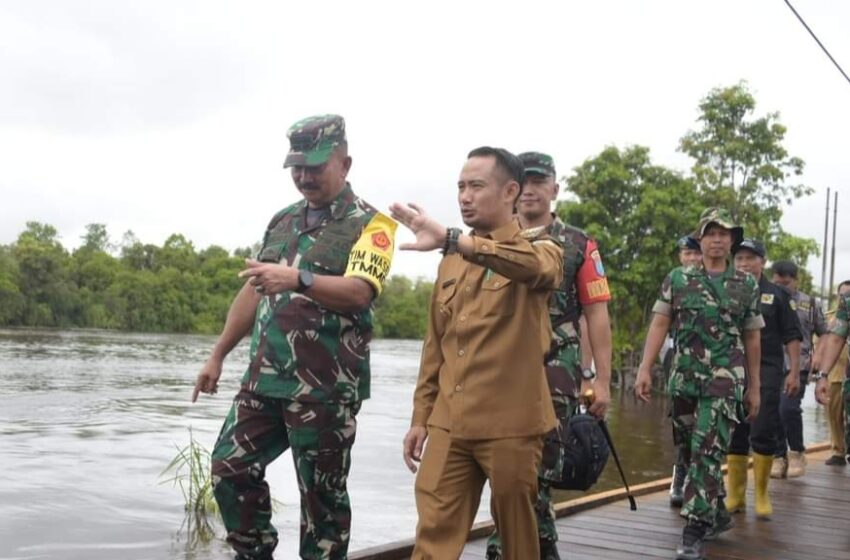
x=588, y=374
x=305, y=281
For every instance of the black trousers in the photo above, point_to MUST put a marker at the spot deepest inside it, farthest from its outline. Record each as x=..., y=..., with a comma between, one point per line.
x=761, y=435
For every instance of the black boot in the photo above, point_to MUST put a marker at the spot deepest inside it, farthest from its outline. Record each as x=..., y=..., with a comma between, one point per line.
x=677, y=492
x=722, y=521
x=692, y=537
x=549, y=550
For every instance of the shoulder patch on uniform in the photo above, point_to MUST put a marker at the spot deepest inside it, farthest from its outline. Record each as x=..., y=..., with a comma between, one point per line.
x=597, y=262
x=380, y=240
x=767, y=299
x=544, y=242
x=793, y=305
x=533, y=233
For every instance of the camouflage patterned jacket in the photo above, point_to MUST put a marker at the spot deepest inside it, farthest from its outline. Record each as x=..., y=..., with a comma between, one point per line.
x=709, y=317
x=299, y=349
x=841, y=323
x=584, y=282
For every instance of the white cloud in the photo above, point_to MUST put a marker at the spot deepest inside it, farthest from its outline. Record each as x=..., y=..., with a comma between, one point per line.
x=168, y=117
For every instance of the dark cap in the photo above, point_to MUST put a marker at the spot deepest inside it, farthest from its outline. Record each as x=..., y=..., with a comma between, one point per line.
x=313, y=140
x=688, y=242
x=537, y=162
x=751, y=245
x=785, y=268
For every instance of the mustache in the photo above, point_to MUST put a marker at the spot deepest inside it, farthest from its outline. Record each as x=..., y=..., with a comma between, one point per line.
x=308, y=187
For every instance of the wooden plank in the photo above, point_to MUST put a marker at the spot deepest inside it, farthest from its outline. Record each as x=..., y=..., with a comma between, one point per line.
x=809, y=522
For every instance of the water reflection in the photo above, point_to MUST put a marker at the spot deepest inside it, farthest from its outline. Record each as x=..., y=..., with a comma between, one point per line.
x=89, y=419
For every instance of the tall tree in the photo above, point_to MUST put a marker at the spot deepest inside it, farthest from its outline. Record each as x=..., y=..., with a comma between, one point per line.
x=43, y=267
x=740, y=163
x=636, y=211
x=96, y=238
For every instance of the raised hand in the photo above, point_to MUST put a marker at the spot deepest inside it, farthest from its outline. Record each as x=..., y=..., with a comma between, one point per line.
x=429, y=233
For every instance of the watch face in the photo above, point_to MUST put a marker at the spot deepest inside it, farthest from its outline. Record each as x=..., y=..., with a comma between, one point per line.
x=305, y=280
x=587, y=374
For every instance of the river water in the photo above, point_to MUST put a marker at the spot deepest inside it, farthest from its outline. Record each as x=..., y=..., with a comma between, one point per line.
x=89, y=420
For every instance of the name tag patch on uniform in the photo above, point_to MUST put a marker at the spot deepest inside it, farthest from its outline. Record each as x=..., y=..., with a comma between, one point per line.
x=598, y=288
x=767, y=299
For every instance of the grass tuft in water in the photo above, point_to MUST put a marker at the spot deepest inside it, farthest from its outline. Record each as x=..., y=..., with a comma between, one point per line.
x=189, y=470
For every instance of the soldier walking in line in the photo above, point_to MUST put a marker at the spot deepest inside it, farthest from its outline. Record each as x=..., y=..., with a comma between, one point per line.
x=790, y=457
x=308, y=305
x=690, y=254
x=782, y=328
x=833, y=344
x=713, y=310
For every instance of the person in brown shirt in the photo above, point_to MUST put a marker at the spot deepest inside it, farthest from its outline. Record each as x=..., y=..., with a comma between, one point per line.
x=481, y=400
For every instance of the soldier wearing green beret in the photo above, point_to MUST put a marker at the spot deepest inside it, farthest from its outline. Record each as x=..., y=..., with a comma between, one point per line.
x=307, y=305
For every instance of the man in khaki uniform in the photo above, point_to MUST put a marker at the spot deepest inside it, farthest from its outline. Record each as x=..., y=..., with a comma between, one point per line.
x=838, y=431
x=482, y=400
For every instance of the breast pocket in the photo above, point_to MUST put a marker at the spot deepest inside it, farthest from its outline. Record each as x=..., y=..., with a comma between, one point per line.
x=446, y=295
x=691, y=319
x=498, y=297
x=329, y=263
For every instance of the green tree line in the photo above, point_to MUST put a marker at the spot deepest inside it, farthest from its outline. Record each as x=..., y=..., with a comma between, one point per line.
x=635, y=208
x=137, y=286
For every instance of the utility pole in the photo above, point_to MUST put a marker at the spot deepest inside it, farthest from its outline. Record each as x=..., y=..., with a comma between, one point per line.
x=823, y=293
x=832, y=258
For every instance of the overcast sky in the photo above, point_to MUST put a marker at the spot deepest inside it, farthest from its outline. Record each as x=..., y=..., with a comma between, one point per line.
x=164, y=117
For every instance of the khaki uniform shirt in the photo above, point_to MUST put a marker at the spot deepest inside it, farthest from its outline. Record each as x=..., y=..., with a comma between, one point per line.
x=482, y=373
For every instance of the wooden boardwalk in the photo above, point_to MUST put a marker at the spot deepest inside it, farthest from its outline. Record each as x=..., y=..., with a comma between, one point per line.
x=811, y=521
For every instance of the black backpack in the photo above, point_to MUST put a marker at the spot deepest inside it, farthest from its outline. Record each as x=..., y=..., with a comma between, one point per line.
x=585, y=453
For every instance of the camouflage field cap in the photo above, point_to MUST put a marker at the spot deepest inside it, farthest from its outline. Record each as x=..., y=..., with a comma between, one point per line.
x=688, y=242
x=536, y=162
x=752, y=245
x=723, y=219
x=312, y=140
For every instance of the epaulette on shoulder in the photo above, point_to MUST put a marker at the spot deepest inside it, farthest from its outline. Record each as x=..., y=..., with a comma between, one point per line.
x=291, y=209
x=365, y=207
x=533, y=233
x=561, y=229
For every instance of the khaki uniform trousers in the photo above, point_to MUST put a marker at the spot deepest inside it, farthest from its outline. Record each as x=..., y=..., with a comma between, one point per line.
x=836, y=419
x=448, y=492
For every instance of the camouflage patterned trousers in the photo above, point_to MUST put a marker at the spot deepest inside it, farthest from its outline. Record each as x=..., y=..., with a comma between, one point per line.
x=551, y=469
x=256, y=431
x=703, y=428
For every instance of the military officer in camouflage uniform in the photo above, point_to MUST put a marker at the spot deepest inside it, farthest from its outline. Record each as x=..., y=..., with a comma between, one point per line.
x=713, y=310
x=833, y=343
x=583, y=291
x=308, y=305
x=690, y=254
